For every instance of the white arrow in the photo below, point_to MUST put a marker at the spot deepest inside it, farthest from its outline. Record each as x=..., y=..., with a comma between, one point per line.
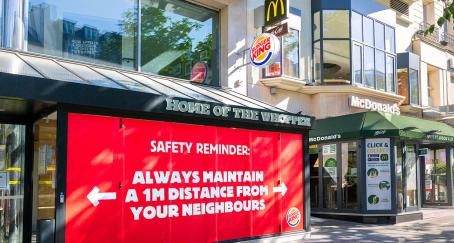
x=95, y=196
x=281, y=188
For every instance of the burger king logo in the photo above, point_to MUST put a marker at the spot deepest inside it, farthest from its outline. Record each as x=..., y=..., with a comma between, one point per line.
x=293, y=217
x=264, y=49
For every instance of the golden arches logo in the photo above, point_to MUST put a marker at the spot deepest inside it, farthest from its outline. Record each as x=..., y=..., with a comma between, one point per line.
x=275, y=4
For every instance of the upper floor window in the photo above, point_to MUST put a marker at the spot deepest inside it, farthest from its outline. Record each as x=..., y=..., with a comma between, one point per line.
x=363, y=53
x=173, y=35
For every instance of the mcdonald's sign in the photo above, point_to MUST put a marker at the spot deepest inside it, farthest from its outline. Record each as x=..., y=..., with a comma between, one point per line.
x=275, y=11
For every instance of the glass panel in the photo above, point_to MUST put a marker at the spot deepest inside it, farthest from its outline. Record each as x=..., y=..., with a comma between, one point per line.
x=357, y=27
x=317, y=62
x=97, y=33
x=90, y=75
x=369, y=66
x=357, y=64
x=368, y=31
x=349, y=175
x=379, y=35
x=410, y=175
x=12, y=159
x=10, y=63
x=274, y=69
x=315, y=164
x=44, y=175
x=390, y=41
x=52, y=69
x=390, y=71
x=414, y=87
x=330, y=177
x=156, y=86
x=380, y=69
x=402, y=84
x=188, y=92
x=291, y=53
x=316, y=25
x=436, y=187
x=336, y=24
x=336, y=61
x=175, y=35
x=209, y=94
x=399, y=180
x=131, y=84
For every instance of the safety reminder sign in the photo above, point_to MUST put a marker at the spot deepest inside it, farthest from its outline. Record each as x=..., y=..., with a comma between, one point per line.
x=131, y=180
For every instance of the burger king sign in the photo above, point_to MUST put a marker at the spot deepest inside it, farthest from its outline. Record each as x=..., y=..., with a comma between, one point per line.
x=264, y=50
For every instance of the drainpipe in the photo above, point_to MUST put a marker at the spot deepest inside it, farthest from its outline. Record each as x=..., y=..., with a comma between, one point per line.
x=14, y=24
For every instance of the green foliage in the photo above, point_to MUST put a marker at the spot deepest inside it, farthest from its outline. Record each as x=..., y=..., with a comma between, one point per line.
x=448, y=13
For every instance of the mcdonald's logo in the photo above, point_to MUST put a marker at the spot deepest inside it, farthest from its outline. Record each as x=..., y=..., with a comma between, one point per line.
x=275, y=11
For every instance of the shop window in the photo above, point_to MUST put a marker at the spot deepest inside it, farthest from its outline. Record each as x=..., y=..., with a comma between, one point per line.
x=435, y=167
x=315, y=168
x=349, y=175
x=174, y=34
x=390, y=74
x=380, y=70
x=414, y=86
x=357, y=27
x=402, y=84
x=369, y=66
x=287, y=62
x=399, y=176
x=336, y=24
x=336, y=61
x=390, y=40
x=317, y=62
x=330, y=177
x=410, y=176
x=357, y=64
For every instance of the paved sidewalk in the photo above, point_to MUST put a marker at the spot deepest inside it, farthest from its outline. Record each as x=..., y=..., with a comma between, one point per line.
x=437, y=226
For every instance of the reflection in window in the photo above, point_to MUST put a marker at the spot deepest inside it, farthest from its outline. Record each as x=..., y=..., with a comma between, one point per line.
x=389, y=40
x=315, y=164
x=357, y=27
x=349, y=175
x=436, y=188
x=390, y=74
x=379, y=35
x=380, y=69
x=175, y=35
x=399, y=180
x=317, y=62
x=402, y=84
x=414, y=86
x=316, y=26
x=369, y=69
x=336, y=24
x=357, y=63
x=410, y=176
x=330, y=178
x=336, y=61
x=290, y=45
x=368, y=29
x=96, y=34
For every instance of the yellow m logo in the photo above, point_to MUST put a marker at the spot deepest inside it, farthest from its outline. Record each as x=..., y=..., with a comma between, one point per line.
x=275, y=4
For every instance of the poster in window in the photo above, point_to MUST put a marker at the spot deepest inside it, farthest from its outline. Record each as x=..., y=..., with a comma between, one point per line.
x=378, y=174
x=329, y=152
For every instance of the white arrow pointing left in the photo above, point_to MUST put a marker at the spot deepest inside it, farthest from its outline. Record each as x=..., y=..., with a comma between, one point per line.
x=281, y=188
x=95, y=196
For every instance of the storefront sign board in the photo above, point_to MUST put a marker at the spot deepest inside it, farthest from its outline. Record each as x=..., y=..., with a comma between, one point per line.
x=378, y=174
x=368, y=104
x=131, y=180
x=265, y=50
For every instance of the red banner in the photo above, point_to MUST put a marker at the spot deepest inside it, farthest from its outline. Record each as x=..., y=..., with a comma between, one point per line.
x=131, y=180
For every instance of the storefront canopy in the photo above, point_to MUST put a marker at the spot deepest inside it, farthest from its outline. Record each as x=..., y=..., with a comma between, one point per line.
x=29, y=82
x=377, y=124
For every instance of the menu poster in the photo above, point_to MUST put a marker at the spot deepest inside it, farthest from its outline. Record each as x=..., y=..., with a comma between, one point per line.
x=330, y=160
x=378, y=172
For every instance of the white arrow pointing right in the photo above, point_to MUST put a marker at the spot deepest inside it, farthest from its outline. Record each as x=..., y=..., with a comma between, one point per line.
x=95, y=196
x=281, y=188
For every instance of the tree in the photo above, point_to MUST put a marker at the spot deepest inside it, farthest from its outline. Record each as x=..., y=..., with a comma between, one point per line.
x=448, y=14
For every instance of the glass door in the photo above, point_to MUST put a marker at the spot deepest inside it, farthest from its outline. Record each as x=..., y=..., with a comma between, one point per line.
x=411, y=195
x=12, y=158
x=435, y=177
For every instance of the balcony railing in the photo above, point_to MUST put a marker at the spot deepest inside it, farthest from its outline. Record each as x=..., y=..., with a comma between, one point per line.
x=438, y=38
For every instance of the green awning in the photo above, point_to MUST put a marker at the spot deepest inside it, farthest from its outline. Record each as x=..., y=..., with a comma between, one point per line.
x=377, y=124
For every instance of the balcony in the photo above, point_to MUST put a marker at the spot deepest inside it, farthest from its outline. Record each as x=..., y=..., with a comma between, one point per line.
x=437, y=38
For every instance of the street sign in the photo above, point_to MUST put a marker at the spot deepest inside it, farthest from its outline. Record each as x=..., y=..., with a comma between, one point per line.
x=423, y=151
x=279, y=30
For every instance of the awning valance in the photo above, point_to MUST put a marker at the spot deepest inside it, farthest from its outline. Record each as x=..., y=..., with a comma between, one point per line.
x=377, y=124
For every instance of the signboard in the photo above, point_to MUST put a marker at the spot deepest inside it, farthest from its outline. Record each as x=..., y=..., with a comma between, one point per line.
x=199, y=72
x=374, y=105
x=275, y=11
x=378, y=174
x=329, y=152
x=131, y=180
x=265, y=49
x=423, y=151
x=279, y=30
